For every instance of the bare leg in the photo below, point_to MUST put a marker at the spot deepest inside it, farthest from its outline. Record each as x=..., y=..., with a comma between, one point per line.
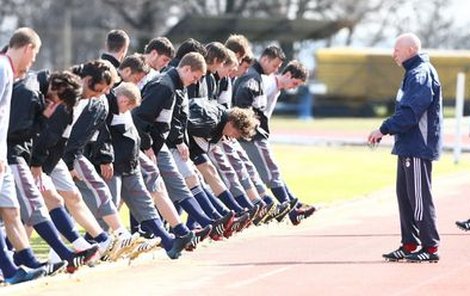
x=15, y=229
x=165, y=205
x=80, y=212
x=209, y=173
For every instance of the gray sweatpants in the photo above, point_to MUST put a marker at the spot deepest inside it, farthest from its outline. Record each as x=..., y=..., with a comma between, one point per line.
x=227, y=172
x=32, y=207
x=261, y=156
x=150, y=172
x=174, y=181
x=242, y=164
x=415, y=204
x=94, y=189
x=133, y=191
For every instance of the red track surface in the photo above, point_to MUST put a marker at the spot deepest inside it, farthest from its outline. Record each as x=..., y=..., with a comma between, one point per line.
x=335, y=252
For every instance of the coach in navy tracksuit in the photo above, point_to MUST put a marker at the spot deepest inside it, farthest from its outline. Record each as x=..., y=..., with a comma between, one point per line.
x=416, y=125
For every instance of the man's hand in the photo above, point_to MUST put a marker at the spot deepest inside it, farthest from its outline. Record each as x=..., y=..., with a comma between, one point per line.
x=183, y=150
x=107, y=171
x=50, y=109
x=37, y=176
x=75, y=175
x=150, y=154
x=2, y=168
x=374, y=138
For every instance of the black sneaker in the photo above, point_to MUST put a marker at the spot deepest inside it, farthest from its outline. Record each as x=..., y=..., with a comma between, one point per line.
x=81, y=258
x=238, y=224
x=54, y=268
x=253, y=212
x=464, y=225
x=266, y=212
x=278, y=211
x=219, y=226
x=308, y=210
x=293, y=203
x=200, y=235
x=297, y=215
x=396, y=255
x=422, y=256
x=179, y=244
x=24, y=274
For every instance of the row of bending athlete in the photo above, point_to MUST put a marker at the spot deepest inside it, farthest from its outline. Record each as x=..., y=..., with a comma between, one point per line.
x=129, y=128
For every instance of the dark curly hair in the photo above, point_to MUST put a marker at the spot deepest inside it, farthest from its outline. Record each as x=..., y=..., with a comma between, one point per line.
x=68, y=87
x=99, y=71
x=243, y=120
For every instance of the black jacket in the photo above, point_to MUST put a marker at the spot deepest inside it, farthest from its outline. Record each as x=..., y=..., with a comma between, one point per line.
x=26, y=119
x=248, y=93
x=124, y=137
x=49, y=147
x=90, y=127
x=111, y=59
x=207, y=120
x=154, y=115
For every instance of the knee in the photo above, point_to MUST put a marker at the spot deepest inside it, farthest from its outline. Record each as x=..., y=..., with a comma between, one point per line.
x=207, y=168
x=74, y=198
x=192, y=181
x=10, y=215
x=53, y=200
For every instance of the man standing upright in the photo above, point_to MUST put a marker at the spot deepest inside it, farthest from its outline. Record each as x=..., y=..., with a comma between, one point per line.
x=416, y=125
x=117, y=44
x=20, y=55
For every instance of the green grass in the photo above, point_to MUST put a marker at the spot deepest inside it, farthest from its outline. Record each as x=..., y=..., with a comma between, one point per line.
x=322, y=124
x=332, y=174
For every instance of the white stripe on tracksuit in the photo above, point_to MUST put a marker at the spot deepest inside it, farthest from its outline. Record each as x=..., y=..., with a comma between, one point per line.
x=418, y=189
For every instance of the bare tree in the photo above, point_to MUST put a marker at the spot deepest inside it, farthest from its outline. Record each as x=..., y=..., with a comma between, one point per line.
x=147, y=18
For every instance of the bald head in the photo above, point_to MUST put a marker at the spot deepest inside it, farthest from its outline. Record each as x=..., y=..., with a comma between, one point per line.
x=406, y=46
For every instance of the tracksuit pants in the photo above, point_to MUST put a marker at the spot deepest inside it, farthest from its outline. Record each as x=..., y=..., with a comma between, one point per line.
x=416, y=207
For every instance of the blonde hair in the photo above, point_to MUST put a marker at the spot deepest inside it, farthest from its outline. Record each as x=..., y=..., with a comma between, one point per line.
x=130, y=91
x=238, y=44
x=24, y=36
x=195, y=61
x=231, y=58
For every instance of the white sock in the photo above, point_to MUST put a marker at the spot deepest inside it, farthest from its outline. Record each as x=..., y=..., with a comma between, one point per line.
x=81, y=244
x=103, y=246
x=53, y=256
x=122, y=231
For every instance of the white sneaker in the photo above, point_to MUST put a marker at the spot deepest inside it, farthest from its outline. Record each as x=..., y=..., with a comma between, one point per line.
x=146, y=246
x=104, y=248
x=124, y=243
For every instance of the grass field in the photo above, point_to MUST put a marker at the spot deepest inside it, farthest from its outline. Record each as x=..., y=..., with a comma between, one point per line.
x=331, y=174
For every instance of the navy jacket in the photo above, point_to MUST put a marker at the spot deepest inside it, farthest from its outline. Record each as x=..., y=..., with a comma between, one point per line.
x=111, y=59
x=49, y=147
x=124, y=137
x=154, y=115
x=248, y=93
x=85, y=131
x=207, y=119
x=26, y=119
x=417, y=121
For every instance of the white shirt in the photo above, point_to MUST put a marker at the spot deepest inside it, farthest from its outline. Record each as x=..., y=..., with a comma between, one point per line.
x=6, y=89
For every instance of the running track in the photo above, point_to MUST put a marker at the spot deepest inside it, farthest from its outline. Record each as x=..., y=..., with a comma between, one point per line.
x=335, y=252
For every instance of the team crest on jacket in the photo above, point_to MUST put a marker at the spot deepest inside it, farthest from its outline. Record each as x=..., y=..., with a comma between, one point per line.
x=253, y=85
